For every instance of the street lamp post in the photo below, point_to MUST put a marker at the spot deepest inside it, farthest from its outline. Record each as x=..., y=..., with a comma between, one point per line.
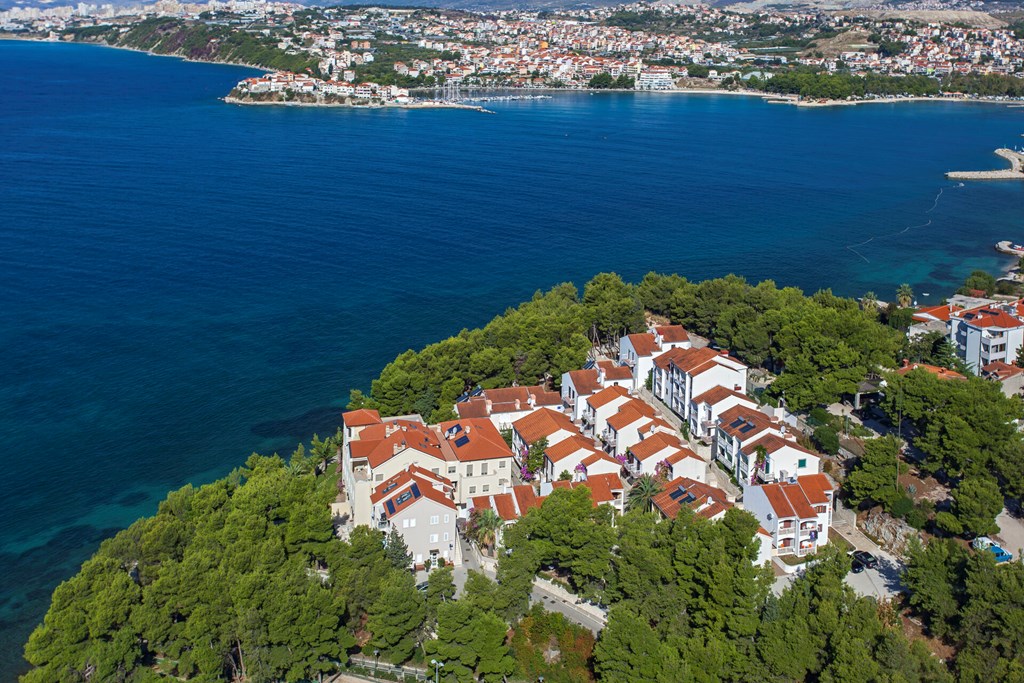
x=437, y=668
x=376, y=658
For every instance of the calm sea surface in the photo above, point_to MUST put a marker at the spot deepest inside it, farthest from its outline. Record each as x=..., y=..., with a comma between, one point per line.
x=183, y=282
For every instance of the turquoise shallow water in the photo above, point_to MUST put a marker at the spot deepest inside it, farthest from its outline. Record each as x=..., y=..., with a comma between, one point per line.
x=184, y=282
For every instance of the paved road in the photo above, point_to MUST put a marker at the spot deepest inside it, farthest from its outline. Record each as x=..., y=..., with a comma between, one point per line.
x=1011, y=533
x=567, y=608
x=882, y=583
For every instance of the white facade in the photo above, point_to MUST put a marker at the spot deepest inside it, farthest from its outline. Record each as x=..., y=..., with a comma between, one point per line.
x=796, y=516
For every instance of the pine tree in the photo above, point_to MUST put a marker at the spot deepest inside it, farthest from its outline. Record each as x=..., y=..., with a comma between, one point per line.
x=397, y=551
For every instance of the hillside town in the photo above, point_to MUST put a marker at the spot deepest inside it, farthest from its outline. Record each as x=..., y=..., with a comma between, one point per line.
x=668, y=407
x=640, y=46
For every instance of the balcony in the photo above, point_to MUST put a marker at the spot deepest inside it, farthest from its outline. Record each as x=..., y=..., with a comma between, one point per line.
x=609, y=437
x=569, y=400
x=632, y=468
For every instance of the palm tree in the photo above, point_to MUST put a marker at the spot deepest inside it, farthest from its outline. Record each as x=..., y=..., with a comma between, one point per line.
x=485, y=524
x=869, y=302
x=904, y=295
x=641, y=496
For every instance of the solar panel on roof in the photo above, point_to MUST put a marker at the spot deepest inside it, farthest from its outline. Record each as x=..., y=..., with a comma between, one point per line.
x=402, y=498
x=391, y=507
x=677, y=494
x=737, y=422
x=746, y=427
x=461, y=441
x=415, y=490
x=390, y=486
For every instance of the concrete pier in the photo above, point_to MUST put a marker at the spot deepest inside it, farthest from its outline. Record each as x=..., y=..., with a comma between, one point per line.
x=1015, y=172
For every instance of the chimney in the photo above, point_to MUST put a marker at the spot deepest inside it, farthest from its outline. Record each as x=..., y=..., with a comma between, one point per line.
x=532, y=400
x=736, y=388
x=906, y=363
x=517, y=404
x=397, y=447
x=468, y=430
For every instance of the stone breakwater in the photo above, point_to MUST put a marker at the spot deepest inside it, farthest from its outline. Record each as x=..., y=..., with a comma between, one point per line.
x=1015, y=172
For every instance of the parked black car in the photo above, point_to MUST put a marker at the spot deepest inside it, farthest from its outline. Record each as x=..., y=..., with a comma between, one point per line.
x=862, y=560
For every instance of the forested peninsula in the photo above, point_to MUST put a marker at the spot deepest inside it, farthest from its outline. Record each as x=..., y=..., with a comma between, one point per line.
x=198, y=41
x=243, y=579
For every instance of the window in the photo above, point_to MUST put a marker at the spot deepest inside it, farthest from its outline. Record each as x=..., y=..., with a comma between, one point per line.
x=446, y=518
x=412, y=522
x=487, y=487
x=379, y=477
x=451, y=469
x=446, y=536
x=483, y=469
x=434, y=519
x=469, y=470
x=502, y=464
x=433, y=538
x=472, y=490
x=801, y=463
x=435, y=470
x=405, y=524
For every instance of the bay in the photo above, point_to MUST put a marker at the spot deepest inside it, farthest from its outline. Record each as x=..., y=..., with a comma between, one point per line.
x=183, y=282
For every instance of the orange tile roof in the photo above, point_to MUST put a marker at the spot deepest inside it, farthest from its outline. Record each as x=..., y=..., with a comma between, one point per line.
x=526, y=498
x=744, y=423
x=597, y=456
x=567, y=447
x=542, y=423
x=795, y=500
x=816, y=487
x=654, y=444
x=664, y=360
x=510, y=506
x=672, y=333
x=615, y=372
x=380, y=443
x=941, y=373
x=1000, y=371
x=361, y=417
x=607, y=395
x=643, y=343
x=585, y=381
x=602, y=487
x=691, y=360
x=408, y=492
x=706, y=501
x=773, y=442
x=991, y=317
x=474, y=439
x=941, y=312
x=717, y=394
x=629, y=413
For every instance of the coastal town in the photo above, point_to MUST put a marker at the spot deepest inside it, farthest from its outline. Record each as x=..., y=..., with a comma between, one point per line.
x=397, y=56
x=668, y=417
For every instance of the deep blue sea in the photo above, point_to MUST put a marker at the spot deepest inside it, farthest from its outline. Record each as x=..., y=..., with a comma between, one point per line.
x=183, y=282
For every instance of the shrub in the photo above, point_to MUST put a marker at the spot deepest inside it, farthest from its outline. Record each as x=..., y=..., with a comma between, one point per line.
x=820, y=416
x=917, y=518
x=826, y=466
x=948, y=522
x=902, y=506
x=827, y=439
